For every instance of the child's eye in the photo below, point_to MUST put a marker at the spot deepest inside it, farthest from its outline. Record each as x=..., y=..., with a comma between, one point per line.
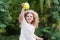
x=31, y=16
x=27, y=16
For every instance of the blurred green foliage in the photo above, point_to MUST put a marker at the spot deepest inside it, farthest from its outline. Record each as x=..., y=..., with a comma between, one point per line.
x=11, y=37
x=49, y=15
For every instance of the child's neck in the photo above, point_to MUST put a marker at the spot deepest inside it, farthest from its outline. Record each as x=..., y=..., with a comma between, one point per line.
x=28, y=22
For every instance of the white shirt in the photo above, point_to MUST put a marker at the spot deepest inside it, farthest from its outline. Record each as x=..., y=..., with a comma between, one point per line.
x=27, y=31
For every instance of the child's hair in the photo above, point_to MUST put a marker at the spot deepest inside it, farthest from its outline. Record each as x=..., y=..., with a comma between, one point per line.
x=35, y=17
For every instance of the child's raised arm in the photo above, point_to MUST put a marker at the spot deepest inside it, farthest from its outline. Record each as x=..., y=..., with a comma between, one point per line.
x=21, y=15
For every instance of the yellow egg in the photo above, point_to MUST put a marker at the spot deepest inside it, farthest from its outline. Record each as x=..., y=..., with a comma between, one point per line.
x=26, y=6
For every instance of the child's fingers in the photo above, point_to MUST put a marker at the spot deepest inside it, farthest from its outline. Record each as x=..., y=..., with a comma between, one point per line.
x=40, y=39
x=22, y=4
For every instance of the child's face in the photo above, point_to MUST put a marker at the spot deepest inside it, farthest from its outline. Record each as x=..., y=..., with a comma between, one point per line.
x=29, y=17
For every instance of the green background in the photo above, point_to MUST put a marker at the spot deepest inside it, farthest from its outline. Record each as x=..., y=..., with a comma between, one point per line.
x=49, y=16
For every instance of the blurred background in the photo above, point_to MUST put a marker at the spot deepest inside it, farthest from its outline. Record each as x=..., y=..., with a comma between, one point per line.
x=49, y=16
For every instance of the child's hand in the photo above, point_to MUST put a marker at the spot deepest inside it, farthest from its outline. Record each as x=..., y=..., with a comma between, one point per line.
x=22, y=4
x=40, y=39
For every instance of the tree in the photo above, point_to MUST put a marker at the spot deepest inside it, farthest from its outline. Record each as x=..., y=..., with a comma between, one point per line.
x=5, y=17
